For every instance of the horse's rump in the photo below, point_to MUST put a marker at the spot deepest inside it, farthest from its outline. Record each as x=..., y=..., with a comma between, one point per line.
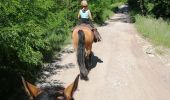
x=89, y=36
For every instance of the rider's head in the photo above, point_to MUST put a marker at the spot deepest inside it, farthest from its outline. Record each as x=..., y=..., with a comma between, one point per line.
x=84, y=3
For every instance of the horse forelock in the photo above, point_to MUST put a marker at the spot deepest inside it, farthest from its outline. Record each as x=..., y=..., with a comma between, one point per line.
x=51, y=93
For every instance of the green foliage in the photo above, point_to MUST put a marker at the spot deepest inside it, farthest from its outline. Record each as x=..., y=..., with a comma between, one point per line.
x=161, y=8
x=100, y=9
x=31, y=30
x=158, y=31
x=115, y=4
x=118, y=1
x=158, y=8
x=155, y=27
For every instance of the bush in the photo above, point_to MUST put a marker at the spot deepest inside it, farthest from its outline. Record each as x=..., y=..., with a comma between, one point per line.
x=158, y=8
x=31, y=30
x=100, y=9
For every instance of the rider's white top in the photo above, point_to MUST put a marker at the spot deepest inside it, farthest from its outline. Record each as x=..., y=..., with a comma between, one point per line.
x=84, y=14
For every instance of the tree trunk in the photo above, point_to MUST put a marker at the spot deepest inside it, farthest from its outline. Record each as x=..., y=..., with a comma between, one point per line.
x=142, y=7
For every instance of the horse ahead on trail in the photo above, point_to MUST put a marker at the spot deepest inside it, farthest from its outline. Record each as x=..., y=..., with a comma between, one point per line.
x=83, y=38
x=50, y=93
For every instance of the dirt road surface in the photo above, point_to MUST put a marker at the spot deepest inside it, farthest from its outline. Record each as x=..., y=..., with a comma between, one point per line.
x=123, y=68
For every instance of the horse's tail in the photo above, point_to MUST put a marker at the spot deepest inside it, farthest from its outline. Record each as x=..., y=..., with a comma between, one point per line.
x=81, y=53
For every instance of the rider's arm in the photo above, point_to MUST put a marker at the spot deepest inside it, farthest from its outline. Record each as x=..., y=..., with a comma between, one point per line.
x=90, y=16
x=78, y=15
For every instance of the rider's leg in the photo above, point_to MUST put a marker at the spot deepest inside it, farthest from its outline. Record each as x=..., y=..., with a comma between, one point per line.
x=96, y=33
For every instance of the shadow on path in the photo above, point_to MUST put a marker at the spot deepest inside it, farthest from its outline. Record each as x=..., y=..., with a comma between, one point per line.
x=95, y=60
x=125, y=18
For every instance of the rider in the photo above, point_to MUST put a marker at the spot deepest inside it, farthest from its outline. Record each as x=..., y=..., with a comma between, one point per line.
x=85, y=17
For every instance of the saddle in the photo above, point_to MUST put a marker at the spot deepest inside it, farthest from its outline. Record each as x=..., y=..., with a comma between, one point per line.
x=97, y=36
x=83, y=25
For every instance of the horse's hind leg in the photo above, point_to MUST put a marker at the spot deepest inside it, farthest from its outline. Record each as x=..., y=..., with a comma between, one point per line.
x=88, y=57
x=90, y=64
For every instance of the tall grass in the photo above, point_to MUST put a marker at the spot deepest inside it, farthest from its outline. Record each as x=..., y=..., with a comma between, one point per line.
x=157, y=30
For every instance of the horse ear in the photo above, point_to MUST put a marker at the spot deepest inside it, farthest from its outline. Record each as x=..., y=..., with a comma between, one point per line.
x=69, y=91
x=30, y=89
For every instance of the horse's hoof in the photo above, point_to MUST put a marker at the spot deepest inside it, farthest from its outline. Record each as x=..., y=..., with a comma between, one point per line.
x=95, y=41
x=90, y=64
x=84, y=78
x=89, y=67
x=98, y=40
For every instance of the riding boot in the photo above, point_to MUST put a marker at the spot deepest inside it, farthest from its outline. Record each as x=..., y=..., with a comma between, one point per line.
x=97, y=37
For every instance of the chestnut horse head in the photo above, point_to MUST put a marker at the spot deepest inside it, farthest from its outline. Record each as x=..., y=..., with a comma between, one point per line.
x=50, y=93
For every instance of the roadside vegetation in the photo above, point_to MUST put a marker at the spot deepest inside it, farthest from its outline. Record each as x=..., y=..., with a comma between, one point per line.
x=157, y=30
x=152, y=20
x=31, y=32
x=116, y=4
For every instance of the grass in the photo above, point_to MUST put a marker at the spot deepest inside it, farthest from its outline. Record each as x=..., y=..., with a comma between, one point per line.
x=160, y=51
x=156, y=30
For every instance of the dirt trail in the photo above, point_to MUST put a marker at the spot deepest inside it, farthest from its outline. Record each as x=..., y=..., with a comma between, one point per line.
x=123, y=70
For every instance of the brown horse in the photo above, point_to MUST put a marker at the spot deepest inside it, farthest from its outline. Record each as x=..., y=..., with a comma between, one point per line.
x=82, y=41
x=50, y=93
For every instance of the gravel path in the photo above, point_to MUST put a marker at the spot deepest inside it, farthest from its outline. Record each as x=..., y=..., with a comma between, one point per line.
x=125, y=67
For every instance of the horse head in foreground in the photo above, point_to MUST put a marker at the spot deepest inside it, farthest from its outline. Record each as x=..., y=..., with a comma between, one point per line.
x=50, y=93
x=83, y=38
